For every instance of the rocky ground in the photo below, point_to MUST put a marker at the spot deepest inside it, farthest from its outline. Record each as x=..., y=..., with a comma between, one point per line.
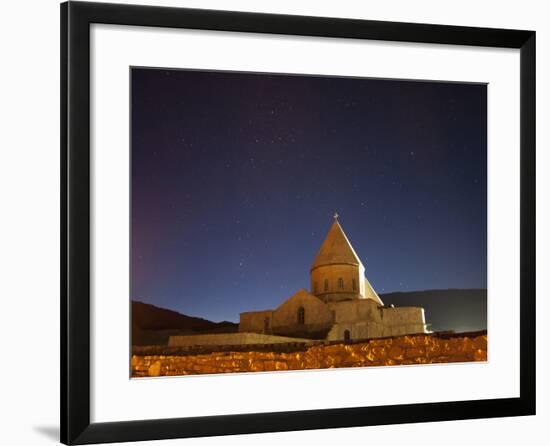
x=401, y=350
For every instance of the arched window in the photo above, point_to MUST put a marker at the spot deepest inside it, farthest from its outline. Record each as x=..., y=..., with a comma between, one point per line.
x=326, y=284
x=314, y=287
x=347, y=335
x=266, y=325
x=301, y=316
x=353, y=285
x=340, y=283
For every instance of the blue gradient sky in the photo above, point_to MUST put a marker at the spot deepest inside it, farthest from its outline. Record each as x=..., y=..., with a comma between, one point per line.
x=235, y=178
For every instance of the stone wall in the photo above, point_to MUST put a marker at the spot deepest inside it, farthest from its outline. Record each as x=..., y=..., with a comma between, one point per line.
x=355, y=310
x=228, y=339
x=398, y=321
x=357, y=330
x=402, y=350
x=283, y=321
x=364, y=318
x=255, y=321
x=315, y=312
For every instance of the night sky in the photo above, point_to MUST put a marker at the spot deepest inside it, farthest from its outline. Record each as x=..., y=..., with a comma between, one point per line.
x=236, y=176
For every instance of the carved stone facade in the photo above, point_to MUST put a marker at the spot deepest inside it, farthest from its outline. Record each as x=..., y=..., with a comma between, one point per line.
x=342, y=304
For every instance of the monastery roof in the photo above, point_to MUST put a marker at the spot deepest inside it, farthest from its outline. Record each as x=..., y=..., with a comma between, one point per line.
x=371, y=294
x=336, y=249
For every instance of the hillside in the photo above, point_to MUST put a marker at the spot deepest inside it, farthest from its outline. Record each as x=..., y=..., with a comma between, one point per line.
x=453, y=309
x=153, y=325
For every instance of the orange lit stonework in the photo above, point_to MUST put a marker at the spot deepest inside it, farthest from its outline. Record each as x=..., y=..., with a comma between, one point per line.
x=401, y=350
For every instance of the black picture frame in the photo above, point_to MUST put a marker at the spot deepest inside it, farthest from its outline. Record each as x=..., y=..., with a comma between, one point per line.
x=76, y=18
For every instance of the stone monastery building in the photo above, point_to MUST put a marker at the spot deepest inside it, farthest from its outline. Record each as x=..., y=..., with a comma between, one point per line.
x=341, y=303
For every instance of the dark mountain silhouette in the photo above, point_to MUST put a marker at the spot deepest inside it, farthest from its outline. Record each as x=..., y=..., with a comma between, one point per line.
x=153, y=325
x=453, y=309
x=150, y=317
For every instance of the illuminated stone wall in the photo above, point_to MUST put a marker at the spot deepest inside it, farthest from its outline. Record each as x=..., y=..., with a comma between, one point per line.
x=415, y=349
x=228, y=339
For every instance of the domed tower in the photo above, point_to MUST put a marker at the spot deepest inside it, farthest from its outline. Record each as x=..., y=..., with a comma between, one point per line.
x=337, y=273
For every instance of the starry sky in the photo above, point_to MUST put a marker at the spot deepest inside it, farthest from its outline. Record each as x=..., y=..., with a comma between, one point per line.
x=236, y=176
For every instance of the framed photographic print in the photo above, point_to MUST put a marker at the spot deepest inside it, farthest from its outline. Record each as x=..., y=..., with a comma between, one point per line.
x=294, y=217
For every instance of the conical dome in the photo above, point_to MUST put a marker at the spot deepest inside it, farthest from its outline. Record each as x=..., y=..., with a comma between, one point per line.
x=337, y=273
x=336, y=249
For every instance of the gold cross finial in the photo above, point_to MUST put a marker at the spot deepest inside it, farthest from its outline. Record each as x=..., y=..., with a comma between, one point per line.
x=336, y=216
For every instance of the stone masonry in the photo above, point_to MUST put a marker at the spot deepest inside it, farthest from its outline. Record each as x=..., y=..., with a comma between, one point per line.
x=401, y=350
